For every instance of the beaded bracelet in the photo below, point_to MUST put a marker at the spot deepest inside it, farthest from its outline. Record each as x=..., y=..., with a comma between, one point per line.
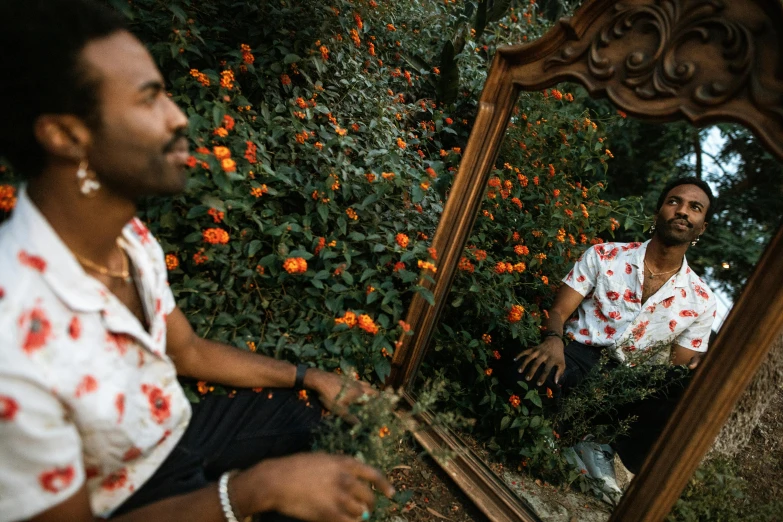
x=225, y=501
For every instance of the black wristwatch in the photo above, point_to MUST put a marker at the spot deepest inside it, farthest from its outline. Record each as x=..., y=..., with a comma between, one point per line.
x=554, y=334
x=301, y=370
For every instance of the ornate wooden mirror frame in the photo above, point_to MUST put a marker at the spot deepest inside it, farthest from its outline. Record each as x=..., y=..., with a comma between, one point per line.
x=704, y=61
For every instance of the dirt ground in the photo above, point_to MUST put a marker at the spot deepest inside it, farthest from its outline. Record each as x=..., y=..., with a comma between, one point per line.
x=436, y=498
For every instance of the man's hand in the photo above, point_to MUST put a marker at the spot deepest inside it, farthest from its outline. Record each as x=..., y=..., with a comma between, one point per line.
x=317, y=487
x=335, y=392
x=550, y=354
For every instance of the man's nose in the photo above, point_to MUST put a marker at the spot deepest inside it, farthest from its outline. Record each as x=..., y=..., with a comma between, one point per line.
x=177, y=118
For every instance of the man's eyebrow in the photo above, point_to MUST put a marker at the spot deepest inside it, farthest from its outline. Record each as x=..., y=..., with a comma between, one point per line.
x=154, y=85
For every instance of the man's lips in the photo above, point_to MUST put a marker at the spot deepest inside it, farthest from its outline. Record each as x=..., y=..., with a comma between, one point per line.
x=179, y=152
x=680, y=224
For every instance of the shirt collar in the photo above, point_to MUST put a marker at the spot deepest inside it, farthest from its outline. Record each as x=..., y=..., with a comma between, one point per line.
x=62, y=272
x=681, y=278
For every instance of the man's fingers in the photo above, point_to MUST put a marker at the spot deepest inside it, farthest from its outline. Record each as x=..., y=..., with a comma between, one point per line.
x=523, y=352
x=362, y=493
x=527, y=360
x=547, y=369
x=374, y=477
x=352, y=506
x=559, y=373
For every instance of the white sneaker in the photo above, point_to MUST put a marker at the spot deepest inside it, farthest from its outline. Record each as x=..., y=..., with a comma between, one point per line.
x=598, y=459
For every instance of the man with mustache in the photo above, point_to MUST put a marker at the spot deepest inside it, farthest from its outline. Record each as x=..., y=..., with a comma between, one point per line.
x=93, y=421
x=627, y=298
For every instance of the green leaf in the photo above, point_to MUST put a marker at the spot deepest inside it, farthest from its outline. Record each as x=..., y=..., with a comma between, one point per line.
x=178, y=12
x=504, y=422
x=382, y=368
x=426, y=294
x=254, y=247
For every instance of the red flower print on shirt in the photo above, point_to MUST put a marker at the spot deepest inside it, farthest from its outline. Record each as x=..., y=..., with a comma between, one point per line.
x=167, y=433
x=610, y=273
x=57, y=479
x=584, y=332
x=639, y=330
x=683, y=293
x=615, y=315
x=688, y=313
x=612, y=296
x=631, y=246
x=115, y=480
x=117, y=342
x=31, y=261
x=667, y=302
x=75, y=328
x=628, y=268
x=672, y=324
x=631, y=297
x=132, y=454
x=91, y=472
x=119, y=404
x=157, y=306
x=2, y=292
x=88, y=384
x=40, y=329
x=570, y=275
x=600, y=315
x=140, y=230
x=160, y=404
x=701, y=292
x=8, y=408
x=651, y=309
x=696, y=343
x=580, y=279
x=606, y=256
x=609, y=331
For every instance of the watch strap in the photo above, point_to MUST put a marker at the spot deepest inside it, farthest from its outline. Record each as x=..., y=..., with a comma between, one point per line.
x=301, y=370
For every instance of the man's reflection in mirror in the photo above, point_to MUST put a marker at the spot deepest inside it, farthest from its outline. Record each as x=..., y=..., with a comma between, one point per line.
x=621, y=300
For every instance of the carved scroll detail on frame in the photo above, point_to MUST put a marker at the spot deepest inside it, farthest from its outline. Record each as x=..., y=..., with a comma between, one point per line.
x=661, y=70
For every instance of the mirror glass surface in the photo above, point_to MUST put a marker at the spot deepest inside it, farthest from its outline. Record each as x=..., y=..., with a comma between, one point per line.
x=575, y=174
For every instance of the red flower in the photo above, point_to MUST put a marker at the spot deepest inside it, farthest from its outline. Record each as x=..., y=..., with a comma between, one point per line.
x=667, y=302
x=119, y=404
x=8, y=408
x=701, y=292
x=672, y=324
x=696, y=343
x=88, y=384
x=160, y=405
x=39, y=332
x=584, y=331
x=612, y=296
x=615, y=315
x=688, y=313
x=34, y=262
x=115, y=480
x=600, y=315
x=117, y=341
x=639, y=330
x=140, y=230
x=628, y=268
x=580, y=279
x=631, y=297
x=191, y=162
x=609, y=331
x=57, y=479
x=132, y=454
x=75, y=328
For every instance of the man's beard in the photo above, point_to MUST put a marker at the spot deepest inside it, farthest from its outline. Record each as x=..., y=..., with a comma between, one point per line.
x=669, y=236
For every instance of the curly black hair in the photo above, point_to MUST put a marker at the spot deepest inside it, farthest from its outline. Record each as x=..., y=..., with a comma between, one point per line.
x=41, y=42
x=687, y=181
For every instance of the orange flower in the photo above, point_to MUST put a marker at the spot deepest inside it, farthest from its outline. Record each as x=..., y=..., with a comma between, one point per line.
x=201, y=77
x=496, y=354
x=387, y=175
x=340, y=131
x=324, y=52
x=348, y=319
x=519, y=267
x=7, y=198
x=465, y=265
x=402, y=240
x=549, y=393
x=215, y=236
x=295, y=265
x=515, y=314
x=384, y=432
x=220, y=132
x=514, y=401
x=391, y=27
x=399, y=265
x=424, y=185
x=370, y=177
x=351, y=213
x=367, y=324
x=259, y=191
x=222, y=153
x=217, y=216
x=228, y=122
x=521, y=250
x=401, y=144
x=500, y=267
x=251, y=346
x=432, y=252
x=202, y=387
x=486, y=338
x=425, y=265
x=405, y=326
x=285, y=79
x=200, y=257
x=302, y=395
x=480, y=255
x=622, y=114
x=191, y=162
x=229, y=165
x=488, y=372
x=172, y=262
x=318, y=145
x=227, y=79
x=545, y=280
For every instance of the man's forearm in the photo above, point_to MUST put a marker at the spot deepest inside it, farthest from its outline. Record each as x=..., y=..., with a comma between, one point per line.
x=224, y=364
x=554, y=323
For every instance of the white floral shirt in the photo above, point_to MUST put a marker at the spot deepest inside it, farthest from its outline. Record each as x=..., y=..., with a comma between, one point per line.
x=610, y=277
x=86, y=392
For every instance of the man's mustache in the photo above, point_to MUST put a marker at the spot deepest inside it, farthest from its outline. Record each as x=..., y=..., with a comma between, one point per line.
x=681, y=221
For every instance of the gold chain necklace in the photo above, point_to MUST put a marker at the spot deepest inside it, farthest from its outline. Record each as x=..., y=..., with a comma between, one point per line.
x=123, y=274
x=653, y=274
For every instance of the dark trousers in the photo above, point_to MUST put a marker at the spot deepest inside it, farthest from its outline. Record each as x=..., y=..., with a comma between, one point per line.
x=231, y=433
x=652, y=412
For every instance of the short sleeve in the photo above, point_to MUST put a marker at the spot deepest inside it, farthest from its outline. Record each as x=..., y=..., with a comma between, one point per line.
x=697, y=336
x=40, y=450
x=584, y=274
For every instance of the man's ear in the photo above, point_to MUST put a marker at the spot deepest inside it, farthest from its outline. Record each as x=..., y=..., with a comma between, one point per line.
x=63, y=136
